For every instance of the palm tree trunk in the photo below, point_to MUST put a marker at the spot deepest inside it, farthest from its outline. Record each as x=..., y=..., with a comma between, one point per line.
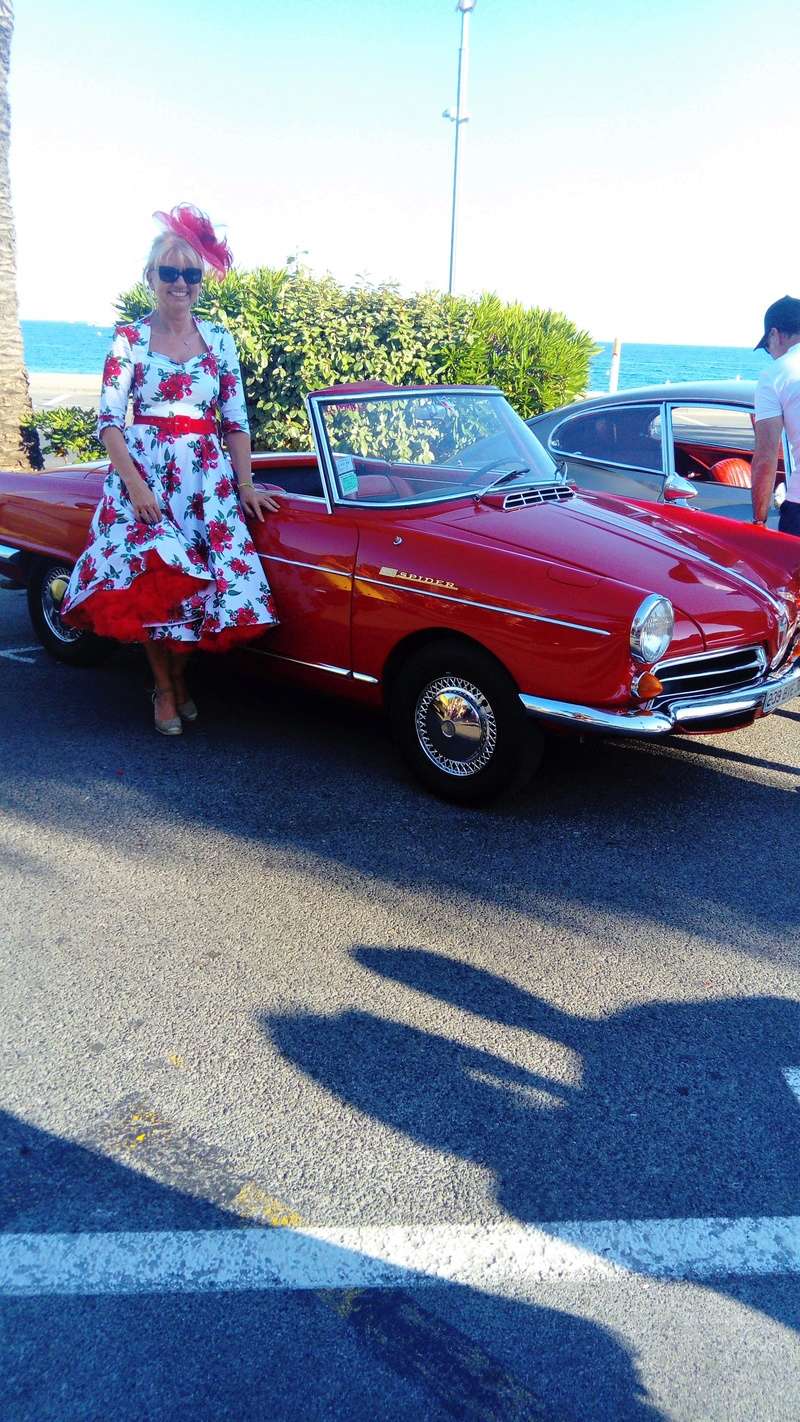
x=18, y=450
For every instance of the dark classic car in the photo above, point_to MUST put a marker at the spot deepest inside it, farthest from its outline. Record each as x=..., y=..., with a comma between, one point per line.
x=668, y=443
x=429, y=557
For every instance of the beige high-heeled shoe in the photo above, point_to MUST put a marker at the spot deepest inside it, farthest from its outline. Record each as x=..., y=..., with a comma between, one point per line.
x=188, y=711
x=172, y=726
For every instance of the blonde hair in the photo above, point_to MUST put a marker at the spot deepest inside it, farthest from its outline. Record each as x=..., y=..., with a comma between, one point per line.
x=168, y=242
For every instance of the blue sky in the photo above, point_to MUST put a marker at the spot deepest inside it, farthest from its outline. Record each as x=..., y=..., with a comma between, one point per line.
x=630, y=164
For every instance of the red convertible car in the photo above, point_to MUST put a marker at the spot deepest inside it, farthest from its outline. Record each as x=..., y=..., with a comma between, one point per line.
x=430, y=557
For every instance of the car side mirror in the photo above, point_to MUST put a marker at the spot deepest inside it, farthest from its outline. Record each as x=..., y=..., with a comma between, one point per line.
x=676, y=490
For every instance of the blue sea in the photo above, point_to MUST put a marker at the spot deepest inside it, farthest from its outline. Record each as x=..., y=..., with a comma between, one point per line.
x=653, y=365
x=65, y=347
x=74, y=347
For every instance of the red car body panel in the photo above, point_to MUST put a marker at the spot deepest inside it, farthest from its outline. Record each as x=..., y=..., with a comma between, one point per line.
x=549, y=590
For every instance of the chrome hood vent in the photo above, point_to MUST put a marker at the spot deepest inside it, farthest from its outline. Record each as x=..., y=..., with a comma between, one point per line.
x=540, y=494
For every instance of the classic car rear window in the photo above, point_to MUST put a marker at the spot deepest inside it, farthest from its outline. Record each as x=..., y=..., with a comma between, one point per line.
x=621, y=434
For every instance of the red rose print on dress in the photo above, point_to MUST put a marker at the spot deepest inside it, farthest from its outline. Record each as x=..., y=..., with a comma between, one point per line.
x=174, y=387
x=88, y=571
x=219, y=535
x=112, y=371
x=192, y=476
x=207, y=452
x=108, y=514
x=245, y=616
x=172, y=478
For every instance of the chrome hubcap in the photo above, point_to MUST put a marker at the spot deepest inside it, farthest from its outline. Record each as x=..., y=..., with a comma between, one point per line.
x=53, y=591
x=455, y=726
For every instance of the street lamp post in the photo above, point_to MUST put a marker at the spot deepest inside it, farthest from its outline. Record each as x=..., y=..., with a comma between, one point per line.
x=460, y=116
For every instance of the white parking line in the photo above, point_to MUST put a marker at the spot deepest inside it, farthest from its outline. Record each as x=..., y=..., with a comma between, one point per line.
x=14, y=654
x=206, y=1261
x=792, y=1079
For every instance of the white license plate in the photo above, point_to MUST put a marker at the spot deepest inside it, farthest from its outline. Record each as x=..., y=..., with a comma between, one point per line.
x=778, y=695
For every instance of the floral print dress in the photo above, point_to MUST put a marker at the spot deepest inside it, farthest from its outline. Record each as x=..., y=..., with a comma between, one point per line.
x=194, y=579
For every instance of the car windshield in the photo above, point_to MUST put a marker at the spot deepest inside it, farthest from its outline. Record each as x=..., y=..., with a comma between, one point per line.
x=420, y=446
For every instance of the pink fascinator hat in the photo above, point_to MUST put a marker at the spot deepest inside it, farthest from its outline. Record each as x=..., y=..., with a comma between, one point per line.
x=194, y=227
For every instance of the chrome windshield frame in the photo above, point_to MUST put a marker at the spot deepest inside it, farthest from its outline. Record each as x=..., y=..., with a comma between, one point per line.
x=316, y=403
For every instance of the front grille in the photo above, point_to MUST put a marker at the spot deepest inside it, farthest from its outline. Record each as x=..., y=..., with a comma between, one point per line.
x=710, y=672
x=544, y=494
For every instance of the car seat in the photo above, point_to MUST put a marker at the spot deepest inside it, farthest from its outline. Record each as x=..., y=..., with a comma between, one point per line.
x=379, y=486
x=733, y=472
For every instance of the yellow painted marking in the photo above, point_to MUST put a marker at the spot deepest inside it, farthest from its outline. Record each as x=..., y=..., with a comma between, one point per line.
x=175, y=1060
x=253, y=1203
x=340, y=1300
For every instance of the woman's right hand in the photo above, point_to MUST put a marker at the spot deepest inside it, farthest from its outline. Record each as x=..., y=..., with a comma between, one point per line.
x=145, y=504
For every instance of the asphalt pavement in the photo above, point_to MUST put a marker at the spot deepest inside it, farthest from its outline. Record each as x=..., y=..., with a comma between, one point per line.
x=325, y=1099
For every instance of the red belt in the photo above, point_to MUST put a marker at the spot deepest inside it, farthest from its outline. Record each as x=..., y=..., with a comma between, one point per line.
x=177, y=425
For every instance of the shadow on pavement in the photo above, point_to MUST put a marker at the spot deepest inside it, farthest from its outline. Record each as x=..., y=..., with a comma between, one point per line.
x=333, y=1354
x=640, y=834
x=659, y=1117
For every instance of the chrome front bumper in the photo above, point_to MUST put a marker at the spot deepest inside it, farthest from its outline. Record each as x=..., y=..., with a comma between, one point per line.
x=674, y=715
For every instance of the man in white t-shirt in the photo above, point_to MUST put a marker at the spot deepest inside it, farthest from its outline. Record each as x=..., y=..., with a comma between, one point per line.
x=777, y=408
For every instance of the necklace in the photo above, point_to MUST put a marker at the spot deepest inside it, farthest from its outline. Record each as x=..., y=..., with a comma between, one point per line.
x=174, y=338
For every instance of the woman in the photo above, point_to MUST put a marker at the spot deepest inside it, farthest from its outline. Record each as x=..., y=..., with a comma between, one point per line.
x=170, y=561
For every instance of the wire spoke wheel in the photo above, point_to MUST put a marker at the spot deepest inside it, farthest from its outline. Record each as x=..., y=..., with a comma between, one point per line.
x=54, y=587
x=458, y=718
x=456, y=726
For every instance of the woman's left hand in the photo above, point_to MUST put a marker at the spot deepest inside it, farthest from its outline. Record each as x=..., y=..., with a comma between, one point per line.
x=255, y=501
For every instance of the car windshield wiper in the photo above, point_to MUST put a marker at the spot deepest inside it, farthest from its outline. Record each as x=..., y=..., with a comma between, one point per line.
x=502, y=479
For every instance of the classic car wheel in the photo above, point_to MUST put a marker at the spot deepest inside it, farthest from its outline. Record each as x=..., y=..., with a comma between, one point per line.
x=46, y=587
x=460, y=724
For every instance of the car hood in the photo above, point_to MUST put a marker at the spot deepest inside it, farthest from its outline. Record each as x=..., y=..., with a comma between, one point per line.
x=702, y=569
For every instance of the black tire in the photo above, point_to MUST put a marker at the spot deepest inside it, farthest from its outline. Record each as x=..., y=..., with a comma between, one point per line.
x=66, y=644
x=493, y=747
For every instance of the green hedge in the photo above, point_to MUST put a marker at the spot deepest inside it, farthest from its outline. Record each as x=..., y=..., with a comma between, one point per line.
x=68, y=432
x=296, y=333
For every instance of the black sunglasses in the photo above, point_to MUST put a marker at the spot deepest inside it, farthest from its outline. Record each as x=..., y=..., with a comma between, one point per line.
x=191, y=275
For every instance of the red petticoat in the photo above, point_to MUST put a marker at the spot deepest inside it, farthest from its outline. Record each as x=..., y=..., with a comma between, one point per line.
x=225, y=641
x=123, y=613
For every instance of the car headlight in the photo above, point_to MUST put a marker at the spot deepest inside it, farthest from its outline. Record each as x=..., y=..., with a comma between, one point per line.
x=652, y=628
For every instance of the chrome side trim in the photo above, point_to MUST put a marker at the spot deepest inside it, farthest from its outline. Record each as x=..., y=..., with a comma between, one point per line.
x=484, y=606
x=668, y=717
x=297, y=563
x=6, y=551
x=298, y=662
x=318, y=666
